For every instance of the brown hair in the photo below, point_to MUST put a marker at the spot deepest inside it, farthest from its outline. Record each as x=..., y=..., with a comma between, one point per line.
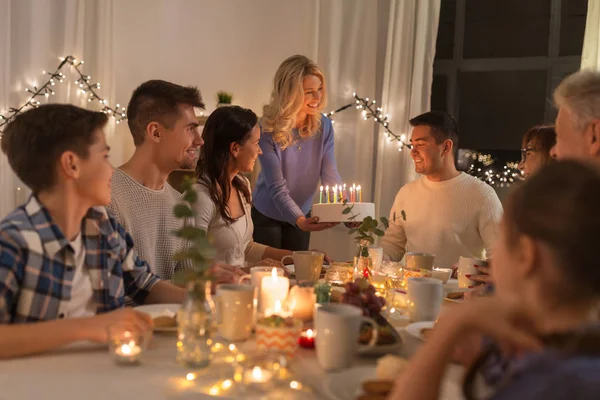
x=442, y=125
x=542, y=138
x=158, y=101
x=226, y=125
x=35, y=140
x=558, y=206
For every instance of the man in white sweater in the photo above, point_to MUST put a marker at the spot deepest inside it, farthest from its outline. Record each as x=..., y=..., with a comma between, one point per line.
x=447, y=212
x=165, y=132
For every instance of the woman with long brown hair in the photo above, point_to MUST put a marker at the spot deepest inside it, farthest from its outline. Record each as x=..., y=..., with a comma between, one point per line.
x=544, y=316
x=297, y=146
x=231, y=136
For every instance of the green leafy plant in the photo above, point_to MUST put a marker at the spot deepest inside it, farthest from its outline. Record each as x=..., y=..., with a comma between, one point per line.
x=199, y=252
x=369, y=227
x=224, y=97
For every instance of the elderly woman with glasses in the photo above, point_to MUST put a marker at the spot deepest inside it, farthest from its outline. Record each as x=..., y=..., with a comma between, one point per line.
x=537, y=143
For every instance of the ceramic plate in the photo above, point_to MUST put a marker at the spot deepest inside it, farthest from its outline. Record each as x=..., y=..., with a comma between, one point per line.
x=415, y=329
x=158, y=310
x=382, y=348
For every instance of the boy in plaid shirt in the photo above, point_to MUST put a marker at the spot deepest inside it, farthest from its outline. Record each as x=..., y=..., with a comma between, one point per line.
x=65, y=264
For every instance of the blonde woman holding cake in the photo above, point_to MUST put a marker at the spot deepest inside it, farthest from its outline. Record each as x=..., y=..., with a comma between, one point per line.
x=297, y=152
x=231, y=137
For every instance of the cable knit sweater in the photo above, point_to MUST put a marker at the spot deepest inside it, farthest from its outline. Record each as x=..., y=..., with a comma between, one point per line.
x=453, y=218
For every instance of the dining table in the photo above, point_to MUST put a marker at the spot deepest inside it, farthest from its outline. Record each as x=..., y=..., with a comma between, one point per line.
x=88, y=371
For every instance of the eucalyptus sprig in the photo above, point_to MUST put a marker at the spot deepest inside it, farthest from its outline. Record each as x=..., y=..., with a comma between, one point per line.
x=369, y=227
x=200, y=252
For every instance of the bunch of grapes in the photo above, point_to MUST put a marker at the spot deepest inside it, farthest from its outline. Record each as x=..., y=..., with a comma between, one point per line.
x=362, y=294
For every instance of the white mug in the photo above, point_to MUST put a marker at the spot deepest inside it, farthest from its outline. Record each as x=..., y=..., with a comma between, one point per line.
x=307, y=265
x=466, y=266
x=235, y=310
x=376, y=254
x=338, y=329
x=419, y=260
x=255, y=277
x=424, y=298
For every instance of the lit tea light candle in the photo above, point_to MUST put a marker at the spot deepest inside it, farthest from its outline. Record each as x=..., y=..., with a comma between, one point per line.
x=258, y=375
x=307, y=339
x=273, y=288
x=128, y=353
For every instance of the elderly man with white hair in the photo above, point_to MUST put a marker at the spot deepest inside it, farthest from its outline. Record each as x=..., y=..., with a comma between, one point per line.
x=578, y=122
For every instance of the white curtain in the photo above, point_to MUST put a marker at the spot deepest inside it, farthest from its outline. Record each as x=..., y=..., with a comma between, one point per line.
x=591, y=41
x=33, y=35
x=382, y=50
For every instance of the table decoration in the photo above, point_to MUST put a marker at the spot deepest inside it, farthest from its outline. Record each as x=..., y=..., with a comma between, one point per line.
x=301, y=301
x=273, y=288
x=307, y=339
x=278, y=334
x=125, y=345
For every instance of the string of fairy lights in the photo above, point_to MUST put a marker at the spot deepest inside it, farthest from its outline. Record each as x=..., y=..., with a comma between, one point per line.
x=371, y=110
x=84, y=86
x=480, y=165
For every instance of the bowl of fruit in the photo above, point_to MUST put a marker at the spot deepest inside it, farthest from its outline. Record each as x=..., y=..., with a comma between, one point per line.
x=278, y=334
x=361, y=294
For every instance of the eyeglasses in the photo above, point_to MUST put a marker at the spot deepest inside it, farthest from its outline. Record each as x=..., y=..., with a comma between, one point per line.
x=526, y=151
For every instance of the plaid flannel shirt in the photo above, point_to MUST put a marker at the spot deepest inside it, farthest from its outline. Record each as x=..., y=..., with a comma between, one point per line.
x=37, y=264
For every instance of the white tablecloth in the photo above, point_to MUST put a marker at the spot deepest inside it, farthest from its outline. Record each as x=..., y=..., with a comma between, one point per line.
x=88, y=372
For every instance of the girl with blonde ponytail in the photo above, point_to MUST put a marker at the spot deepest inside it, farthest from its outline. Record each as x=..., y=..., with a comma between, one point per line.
x=298, y=151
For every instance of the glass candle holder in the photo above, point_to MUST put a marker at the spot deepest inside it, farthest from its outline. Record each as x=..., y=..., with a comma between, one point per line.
x=126, y=346
x=260, y=372
x=307, y=339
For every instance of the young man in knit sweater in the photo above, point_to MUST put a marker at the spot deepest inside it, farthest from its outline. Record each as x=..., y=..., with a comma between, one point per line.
x=165, y=133
x=448, y=213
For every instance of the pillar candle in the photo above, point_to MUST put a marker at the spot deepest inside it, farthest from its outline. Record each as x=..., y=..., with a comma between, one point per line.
x=272, y=289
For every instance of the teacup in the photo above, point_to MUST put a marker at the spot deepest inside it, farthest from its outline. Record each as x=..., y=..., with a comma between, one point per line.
x=419, y=260
x=307, y=265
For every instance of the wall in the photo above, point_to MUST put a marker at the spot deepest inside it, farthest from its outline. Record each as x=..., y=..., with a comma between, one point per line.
x=227, y=45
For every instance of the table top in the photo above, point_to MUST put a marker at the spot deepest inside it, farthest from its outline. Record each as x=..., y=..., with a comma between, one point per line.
x=87, y=370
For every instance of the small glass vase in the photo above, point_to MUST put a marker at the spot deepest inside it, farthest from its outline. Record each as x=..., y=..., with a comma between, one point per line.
x=363, y=263
x=194, y=326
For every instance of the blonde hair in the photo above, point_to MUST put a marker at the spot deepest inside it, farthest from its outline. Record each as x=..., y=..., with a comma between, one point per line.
x=287, y=99
x=580, y=93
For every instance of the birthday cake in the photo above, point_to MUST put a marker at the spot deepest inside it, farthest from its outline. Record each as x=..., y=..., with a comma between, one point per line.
x=334, y=212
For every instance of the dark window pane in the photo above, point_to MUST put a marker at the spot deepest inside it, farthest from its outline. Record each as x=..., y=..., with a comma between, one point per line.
x=497, y=107
x=439, y=91
x=444, y=49
x=506, y=28
x=572, y=27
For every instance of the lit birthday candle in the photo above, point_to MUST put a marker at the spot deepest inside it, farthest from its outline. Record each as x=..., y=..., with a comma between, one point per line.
x=335, y=193
x=359, y=193
x=321, y=195
x=351, y=195
x=327, y=193
x=345, y=195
